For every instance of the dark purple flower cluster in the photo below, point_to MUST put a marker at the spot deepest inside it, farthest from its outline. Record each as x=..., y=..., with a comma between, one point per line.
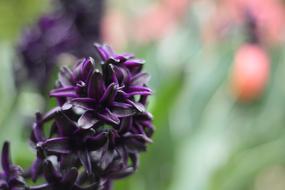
x=99, y=127
x=71, y=28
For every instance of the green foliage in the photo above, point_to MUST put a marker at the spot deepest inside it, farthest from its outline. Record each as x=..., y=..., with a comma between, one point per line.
x=15, y=14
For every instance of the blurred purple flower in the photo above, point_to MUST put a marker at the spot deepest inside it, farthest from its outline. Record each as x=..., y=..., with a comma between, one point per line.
x=72, y=28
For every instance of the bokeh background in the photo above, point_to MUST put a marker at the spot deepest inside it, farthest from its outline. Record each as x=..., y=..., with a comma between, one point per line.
x=217, y=68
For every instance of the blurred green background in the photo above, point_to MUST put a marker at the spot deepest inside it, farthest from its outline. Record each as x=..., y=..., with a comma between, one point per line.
x=207, y=137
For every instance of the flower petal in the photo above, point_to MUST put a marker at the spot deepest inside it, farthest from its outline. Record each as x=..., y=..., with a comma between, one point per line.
x=5, y=159
x=133, y=145
x=96, y=86
x=123, y=112
x=65, y=126
x=104, y=51
x=41, y=187
x=110, y=74
x=64, y=92
x=83, y=69
x=122, y=74
x=52, y=176
x=37, y=134
x=84, y=103
x=121, y=105
x=58, y=145
x=138, y=137
x=50, y=114
x=70, y=177
x=95, y=142
x=36, y=168
x=140, y=107
x=87, y=120
x=138, y=89
x=85, y=160
x=134, y=62
x=124, y=56
x=122, y=174
x=126, y=124
x=109, y=95
x=108, y=117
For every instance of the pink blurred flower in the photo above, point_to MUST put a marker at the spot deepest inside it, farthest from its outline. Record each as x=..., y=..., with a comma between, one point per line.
x=159, y=19
x=269, y=15
x=177, y=7
x=153, y=23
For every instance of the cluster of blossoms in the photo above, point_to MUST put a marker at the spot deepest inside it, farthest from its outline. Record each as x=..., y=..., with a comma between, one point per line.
x=71, y=27
x=97, y=130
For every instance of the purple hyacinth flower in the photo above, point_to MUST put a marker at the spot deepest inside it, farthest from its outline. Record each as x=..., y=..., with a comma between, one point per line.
x=106, y=89
x=100, y=125
x=11, y=176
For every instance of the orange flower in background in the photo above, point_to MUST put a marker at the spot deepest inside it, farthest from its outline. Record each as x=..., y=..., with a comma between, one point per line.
x=250, y=72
